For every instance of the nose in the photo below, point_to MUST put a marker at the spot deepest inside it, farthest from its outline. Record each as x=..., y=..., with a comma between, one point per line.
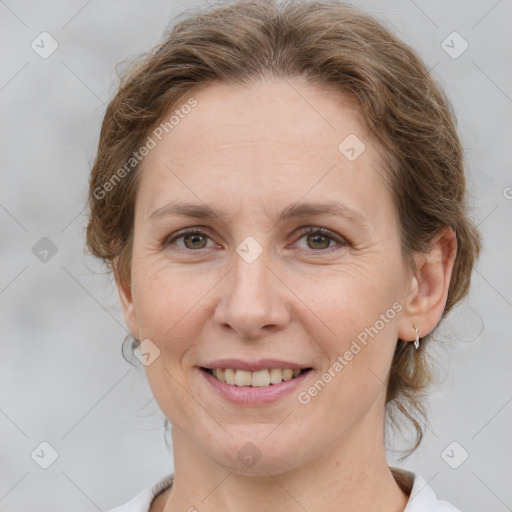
x=254, y=301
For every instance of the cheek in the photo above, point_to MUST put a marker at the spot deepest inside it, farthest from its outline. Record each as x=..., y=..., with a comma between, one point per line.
x=167, y=303
x=167, y=307
x=359, y=309
x=352, y=296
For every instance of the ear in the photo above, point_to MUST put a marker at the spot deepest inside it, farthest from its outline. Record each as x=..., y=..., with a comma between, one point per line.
x=125, y=295
x=426, y=298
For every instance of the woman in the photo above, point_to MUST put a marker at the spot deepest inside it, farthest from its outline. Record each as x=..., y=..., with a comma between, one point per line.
x=280, y=193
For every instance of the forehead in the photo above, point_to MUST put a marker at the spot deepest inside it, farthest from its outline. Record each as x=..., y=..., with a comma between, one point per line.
x=272, y=142
x=271, y=115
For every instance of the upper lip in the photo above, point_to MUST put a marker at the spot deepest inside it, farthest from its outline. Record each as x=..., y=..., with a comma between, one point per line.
x=254, y=366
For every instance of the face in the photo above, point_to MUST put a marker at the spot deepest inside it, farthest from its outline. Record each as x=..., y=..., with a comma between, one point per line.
x=299, y=268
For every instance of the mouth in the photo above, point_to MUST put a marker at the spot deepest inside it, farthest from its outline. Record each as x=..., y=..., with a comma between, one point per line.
x=261, y=378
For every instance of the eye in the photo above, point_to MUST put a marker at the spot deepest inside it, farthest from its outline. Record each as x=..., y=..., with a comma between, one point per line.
x=193, y=239
x=319, y=239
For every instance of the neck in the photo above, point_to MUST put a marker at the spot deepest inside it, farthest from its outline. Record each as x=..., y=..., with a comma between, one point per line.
x=353, y=477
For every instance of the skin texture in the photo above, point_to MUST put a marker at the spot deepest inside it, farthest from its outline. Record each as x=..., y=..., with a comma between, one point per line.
x=251, y=152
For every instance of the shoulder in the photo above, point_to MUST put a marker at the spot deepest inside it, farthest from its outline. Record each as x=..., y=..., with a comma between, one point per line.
x=142, y=501
x=422, y=497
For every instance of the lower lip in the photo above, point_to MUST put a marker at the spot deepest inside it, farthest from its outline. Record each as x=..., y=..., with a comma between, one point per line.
x=248, y=395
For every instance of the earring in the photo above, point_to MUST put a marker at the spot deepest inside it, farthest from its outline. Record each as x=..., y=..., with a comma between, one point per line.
x=417, y=340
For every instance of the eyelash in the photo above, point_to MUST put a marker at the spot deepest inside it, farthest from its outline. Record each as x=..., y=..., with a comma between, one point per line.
x=307, y=231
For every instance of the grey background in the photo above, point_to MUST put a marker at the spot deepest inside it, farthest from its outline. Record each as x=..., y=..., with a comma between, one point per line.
x=62, y=377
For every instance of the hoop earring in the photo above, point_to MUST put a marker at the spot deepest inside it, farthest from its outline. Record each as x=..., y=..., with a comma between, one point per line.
x=417, y=340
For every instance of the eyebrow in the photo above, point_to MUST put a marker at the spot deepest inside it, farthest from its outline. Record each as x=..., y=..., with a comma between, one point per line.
x=292, y=211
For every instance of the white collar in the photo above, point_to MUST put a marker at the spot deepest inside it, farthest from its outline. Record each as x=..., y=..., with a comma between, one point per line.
x=421, y=496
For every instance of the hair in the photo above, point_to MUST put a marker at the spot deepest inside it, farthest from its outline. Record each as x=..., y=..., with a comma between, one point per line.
x=323, y=43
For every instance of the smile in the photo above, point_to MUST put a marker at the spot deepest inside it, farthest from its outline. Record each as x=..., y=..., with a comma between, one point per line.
x=260, y=378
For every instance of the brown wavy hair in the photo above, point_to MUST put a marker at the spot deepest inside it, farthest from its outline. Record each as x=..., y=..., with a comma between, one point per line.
x=324, y=43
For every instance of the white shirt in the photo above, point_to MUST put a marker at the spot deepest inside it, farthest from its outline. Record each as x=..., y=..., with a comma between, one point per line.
x=421, y=499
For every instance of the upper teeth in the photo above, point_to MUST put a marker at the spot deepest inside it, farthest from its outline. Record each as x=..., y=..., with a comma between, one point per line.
x=258, y=379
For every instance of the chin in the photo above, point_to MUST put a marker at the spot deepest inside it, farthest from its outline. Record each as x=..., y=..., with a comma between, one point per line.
x=256, y=454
